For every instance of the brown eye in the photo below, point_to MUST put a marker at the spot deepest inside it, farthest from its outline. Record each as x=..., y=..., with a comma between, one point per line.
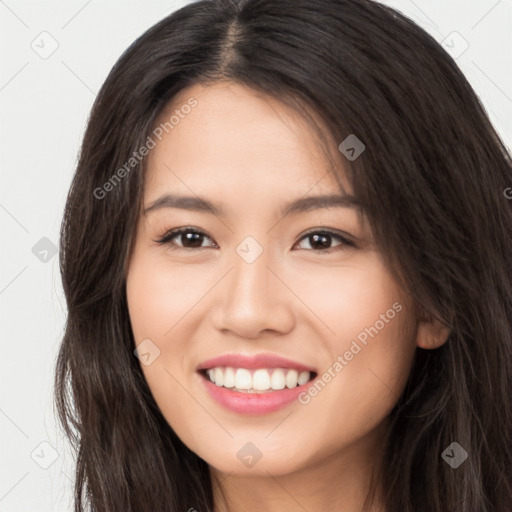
x=324, y=240
x=186, y=238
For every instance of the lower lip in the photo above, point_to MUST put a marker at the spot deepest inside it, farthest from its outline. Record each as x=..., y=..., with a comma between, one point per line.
x=253, y=403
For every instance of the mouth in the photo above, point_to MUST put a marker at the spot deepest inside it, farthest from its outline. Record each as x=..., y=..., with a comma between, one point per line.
x=257, y=380
x=254, y=384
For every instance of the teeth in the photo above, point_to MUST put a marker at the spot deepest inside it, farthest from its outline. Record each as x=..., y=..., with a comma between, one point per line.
x=291, y=378
x=303, y=378
x=243, y=379
x=229, y=378
x=278, y=379
x=219, y=377
x=259, y=380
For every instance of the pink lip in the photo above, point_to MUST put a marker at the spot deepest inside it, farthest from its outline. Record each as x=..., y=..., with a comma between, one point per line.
x=253, y=403
x=253, y=361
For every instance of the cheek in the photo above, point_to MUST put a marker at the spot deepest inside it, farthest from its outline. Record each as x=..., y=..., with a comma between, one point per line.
x=370, y=338
x=359, y=389
x=159, y=295
x=166, y=303
x=349, y=298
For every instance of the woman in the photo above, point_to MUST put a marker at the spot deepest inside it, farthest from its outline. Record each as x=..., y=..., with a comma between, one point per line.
x=287, y=259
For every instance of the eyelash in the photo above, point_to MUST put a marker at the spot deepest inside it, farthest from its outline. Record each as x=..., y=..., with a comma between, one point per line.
x=345, y=241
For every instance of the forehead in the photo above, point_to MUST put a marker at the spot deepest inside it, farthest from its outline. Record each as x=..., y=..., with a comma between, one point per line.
x=235, y=140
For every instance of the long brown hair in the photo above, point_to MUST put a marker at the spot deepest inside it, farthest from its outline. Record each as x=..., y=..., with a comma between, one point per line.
x=432, y=179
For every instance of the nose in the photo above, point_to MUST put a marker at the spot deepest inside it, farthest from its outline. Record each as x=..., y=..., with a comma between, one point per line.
x=253, y=302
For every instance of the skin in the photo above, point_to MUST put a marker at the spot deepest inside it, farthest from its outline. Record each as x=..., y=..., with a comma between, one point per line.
x=250, y=154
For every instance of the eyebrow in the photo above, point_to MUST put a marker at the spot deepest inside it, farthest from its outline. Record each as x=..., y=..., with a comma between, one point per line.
x=303, y=204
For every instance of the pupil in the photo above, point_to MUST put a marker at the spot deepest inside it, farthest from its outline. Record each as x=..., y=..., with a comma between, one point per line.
x=192, y=239
x=323, y=240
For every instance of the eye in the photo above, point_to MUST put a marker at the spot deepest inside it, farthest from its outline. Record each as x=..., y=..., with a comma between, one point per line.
x=318, y=241
x=322, y=241
x=190, y=238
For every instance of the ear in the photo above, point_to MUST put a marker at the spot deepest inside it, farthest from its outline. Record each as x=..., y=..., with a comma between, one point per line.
x=431, y=333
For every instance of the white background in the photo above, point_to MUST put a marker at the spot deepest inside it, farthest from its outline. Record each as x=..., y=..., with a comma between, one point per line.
x=44, y=106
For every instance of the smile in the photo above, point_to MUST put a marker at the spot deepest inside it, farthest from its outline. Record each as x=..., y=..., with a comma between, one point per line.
x=261, y=380
x=254, y=383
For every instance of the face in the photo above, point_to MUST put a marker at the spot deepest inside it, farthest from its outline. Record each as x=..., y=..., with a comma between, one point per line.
x=290, y=311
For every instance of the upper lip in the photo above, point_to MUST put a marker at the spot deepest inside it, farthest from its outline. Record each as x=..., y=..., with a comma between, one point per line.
x=265, y=360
